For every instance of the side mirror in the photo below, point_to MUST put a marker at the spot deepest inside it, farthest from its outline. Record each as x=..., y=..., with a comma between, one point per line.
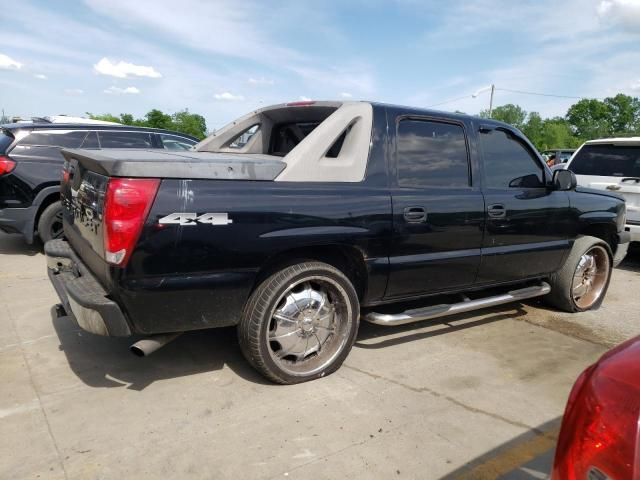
x=564, y=180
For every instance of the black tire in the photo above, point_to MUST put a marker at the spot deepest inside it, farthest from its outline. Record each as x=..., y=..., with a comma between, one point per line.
x=50, y=223
x=569, y=277
x=280, y=303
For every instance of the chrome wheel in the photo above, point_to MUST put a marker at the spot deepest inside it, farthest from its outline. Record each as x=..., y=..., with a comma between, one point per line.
x=590, y=277
x=309, y=325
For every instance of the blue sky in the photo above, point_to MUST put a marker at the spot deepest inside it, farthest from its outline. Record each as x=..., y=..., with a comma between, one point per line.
x=223, y=58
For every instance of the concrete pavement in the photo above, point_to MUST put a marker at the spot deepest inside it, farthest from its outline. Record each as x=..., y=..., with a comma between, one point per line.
x=454, y=398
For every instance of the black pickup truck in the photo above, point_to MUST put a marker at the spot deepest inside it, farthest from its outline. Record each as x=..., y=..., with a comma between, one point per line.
x=296, y=220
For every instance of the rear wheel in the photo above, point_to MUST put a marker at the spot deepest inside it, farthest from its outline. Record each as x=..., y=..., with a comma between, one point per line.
x=50, y=223
x=582, y=282
x=300, y=323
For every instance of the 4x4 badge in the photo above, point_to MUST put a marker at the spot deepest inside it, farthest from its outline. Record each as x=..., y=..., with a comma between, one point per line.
x=194, y=219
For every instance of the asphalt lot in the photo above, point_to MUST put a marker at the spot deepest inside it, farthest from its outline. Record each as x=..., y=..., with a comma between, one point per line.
x=475, y=396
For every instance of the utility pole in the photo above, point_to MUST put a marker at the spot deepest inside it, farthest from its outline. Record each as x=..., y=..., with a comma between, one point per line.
x=493, y=88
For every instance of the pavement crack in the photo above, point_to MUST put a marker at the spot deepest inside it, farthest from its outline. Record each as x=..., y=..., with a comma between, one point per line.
x=448, y=398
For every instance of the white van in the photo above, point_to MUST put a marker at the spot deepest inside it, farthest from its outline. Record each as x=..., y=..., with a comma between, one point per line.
x=612, y=164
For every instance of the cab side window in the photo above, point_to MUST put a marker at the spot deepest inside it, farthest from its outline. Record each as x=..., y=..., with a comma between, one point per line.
x=124, y=139
x=432, y=154
x=508, y=163
x=54, y=138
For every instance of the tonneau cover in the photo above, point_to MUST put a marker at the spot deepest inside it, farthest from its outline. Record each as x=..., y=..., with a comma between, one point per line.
x=187, y=164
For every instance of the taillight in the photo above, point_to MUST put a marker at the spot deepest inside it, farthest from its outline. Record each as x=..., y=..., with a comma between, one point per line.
x=6, y=165
x=127, y=205
x=600, y=432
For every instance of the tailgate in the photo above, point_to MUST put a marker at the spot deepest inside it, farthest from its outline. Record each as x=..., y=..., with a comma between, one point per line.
x=82, y=195
x=629, y=188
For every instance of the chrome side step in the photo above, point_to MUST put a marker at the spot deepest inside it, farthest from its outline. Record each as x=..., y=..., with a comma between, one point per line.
x=467, y=305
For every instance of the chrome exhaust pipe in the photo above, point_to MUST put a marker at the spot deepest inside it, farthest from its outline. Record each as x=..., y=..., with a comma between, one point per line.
x=146, y=346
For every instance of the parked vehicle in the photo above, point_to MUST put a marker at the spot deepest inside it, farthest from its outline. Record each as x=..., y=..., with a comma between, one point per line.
x=31, y=167
x=326, y=209
x=600, y=433
x=560, y=155
x=612, y=164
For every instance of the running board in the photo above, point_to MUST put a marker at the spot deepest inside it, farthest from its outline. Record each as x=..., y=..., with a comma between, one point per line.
x=444, y=310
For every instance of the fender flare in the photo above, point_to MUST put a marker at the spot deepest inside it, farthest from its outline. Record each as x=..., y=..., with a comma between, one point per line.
x=30, y=225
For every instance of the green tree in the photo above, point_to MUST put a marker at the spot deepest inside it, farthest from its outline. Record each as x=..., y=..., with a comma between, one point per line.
x=533, y=128
x=157, y=119
x=590, y=118
x=190, y=123
x=127, y=119
x=557, y=133
x=624, y=112
x=509, y=113
x=105, y=117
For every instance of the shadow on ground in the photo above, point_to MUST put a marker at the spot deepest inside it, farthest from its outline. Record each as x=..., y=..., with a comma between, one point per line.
x=373, y=336
x=16, y=245
x=527, y=457
x=106, y=362
x=631, y=262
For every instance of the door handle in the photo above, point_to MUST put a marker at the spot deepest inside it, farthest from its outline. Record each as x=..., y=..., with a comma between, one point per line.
x=497, y=210
x=415, y=215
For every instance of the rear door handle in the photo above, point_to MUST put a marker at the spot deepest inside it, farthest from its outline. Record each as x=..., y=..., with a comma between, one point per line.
x=415, y=215
x=497, y=210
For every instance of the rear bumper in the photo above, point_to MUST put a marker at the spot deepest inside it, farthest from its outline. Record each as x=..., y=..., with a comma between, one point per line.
x=634, y=231
x=18, y=220
x=624, y=238
x=81, y=294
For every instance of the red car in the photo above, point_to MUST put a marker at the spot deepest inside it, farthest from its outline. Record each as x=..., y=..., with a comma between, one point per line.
x=600, y=434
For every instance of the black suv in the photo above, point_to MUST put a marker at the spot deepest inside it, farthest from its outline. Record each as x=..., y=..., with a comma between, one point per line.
x=31, y=167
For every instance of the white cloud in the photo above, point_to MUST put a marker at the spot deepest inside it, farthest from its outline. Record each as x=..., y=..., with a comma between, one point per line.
x=635, y=86
x=73, y=91
x=123, y=69
x=260, y=81
x=228, y=96
x=113, y=90
x=8, y=63
x=346, y=95
x=302, y=98
x=40, y=76
x=623, y=12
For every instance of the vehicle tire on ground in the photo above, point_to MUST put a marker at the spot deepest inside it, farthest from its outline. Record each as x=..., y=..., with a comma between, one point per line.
x=582, y=282
x=50, y=223
x=300, y=323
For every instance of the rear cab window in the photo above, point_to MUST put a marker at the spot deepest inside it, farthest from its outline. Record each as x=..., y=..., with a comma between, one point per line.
x=607, y=161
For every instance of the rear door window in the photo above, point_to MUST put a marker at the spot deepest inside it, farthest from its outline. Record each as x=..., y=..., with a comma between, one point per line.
x=55, y=138
x=607, y=161
x=111, y=139
x=432, y=154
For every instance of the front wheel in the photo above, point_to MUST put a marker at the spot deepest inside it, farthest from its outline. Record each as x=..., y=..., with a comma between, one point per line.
x=300, y=323
x=582, y=282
